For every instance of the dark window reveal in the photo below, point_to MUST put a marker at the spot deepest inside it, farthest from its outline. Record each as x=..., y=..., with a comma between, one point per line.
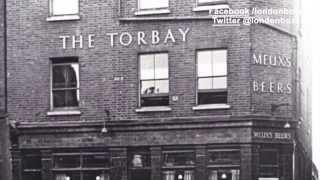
x=212, y=76
x=65, y=83
x=269, y=163
x=32, y=166
x=154, y=79
x=224, y=157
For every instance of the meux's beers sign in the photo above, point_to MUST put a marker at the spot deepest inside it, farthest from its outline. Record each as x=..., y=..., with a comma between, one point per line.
x=278, y=64
x=153, y=37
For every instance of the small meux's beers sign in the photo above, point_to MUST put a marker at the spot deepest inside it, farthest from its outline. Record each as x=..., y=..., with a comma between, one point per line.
x=272, y=135
x=278, y=74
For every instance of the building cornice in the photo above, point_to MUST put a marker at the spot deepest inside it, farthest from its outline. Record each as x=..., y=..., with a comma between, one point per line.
x=182, y=123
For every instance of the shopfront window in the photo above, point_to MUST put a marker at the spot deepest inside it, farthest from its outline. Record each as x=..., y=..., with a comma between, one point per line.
x=212, y=76
x=224, y=164
x=178, y=165
x=81, y=166
x=269, y=165
x=32, y=165
x=154, y=79
x=139, y=164
x=65, y=83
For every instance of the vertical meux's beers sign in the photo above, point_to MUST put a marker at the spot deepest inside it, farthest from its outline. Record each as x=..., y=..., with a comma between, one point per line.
x=153, y=37
x=277, y=65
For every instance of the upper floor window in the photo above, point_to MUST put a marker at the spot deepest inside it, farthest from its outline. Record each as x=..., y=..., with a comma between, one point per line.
x=64, y=7
x=153, y=4
x=209, y=2
x=212, y=76
x=64, y=83
x=154, y=79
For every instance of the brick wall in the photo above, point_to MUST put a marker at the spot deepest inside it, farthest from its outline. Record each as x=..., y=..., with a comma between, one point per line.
x=33, y=40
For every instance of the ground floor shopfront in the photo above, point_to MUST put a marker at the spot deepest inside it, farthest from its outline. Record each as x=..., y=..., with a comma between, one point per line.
x=215, y=151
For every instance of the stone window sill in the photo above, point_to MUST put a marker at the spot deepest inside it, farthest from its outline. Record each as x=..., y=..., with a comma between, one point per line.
x=154, y=109
x=210, y=7
x=63, y=18
x=151, y=12
x=63, y=113
x=211, y=106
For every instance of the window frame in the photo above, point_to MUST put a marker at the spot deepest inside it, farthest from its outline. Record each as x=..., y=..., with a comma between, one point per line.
x=140, y=95
x=222, y=167
x=218, y=76
x=51, y=13
x=150, y=9
x=82, y=169
x=35, y=171
x=69, y=60
x=276, y=166
x=213, y=2
x=176, y=168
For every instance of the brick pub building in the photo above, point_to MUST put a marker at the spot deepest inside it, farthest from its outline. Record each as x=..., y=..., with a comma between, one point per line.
x=133, y=90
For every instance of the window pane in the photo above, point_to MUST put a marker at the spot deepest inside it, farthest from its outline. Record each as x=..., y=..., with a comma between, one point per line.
x=219, y=62
x=161, y=65
x=67, y=162
x=61, y=7
x=65, y=76
x=168, y=175
x=204, y=64
x=32, y=176
x=95, y=175
x=147, y=66
x=178, y=159
x=59, y=99
x=268, y=171
x=224, y=157
x=178, y=175
x=140, y=159
x=65, y=98
x=151, y=4
x=68, y=176
x=224, y=174
x=95, y=161
x=220, y=83
x=212, y=97
x=206, y=1
x=155, y=101
x=32, y=162
x=205, y=83
x=162, y=86
x=268, y=158
x=148, y=87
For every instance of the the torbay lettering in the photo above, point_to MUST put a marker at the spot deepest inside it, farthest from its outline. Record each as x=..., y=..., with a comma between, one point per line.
x=272, y=135
x=154, y=37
